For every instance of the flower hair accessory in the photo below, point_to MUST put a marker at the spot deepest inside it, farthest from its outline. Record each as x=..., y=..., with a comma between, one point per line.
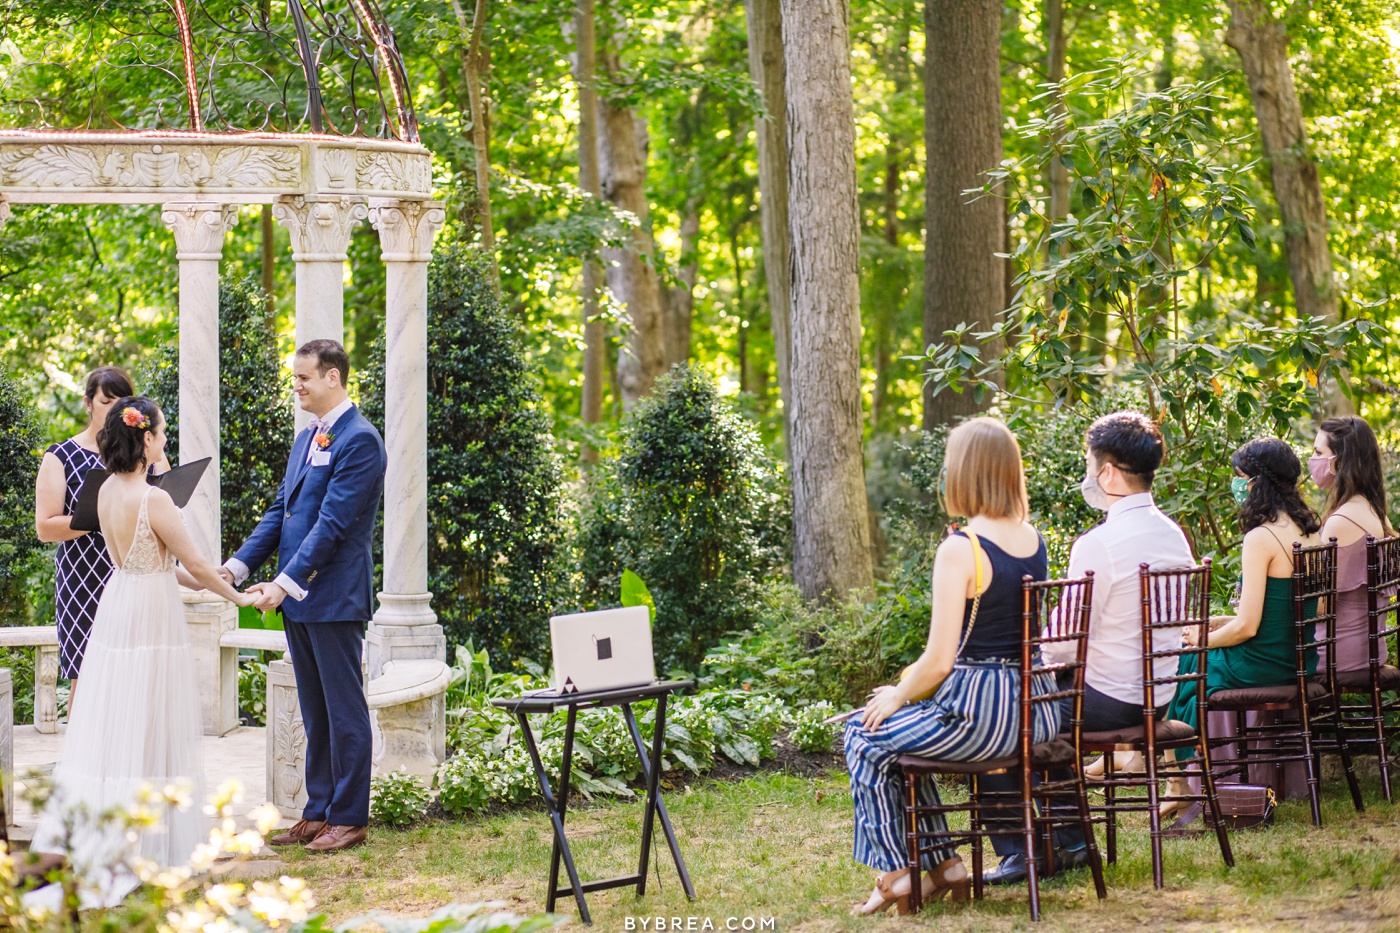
x=133, y=418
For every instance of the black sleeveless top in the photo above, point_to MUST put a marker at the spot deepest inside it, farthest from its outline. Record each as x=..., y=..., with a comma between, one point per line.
x=997, y=631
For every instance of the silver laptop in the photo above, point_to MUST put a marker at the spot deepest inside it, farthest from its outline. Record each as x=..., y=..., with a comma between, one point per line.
x=602, y=650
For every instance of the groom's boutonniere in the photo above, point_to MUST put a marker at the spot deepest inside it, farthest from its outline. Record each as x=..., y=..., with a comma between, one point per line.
x=323, y=440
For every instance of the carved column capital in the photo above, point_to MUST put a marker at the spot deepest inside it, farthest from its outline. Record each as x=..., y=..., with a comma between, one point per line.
x=320, y=226
x=199, y=228
x=407, y=228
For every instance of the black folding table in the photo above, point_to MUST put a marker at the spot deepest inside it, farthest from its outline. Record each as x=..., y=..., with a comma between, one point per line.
x=558, y=804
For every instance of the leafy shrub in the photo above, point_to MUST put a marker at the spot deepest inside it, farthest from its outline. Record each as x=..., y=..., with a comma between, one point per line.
x=252, y=689
x=691, y=504
x=493, y=481
x=399, y=799
x=809, y=732
x=19, y=550
x=461, y=786
x=255, y=419
x=490, y=763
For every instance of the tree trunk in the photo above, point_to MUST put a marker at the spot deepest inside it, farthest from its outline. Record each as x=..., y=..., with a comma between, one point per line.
x=886, y=310
x=631, y=272
x=831, y=532
x=680, y=303
x=594, y=335
x=766, y=68
x=963, y=278
x=471, y=73
x=1262, y=44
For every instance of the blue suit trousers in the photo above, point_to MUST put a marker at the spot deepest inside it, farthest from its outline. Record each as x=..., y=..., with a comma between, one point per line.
x=339, y=743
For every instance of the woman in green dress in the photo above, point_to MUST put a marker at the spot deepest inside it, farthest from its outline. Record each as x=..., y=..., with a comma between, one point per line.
x=1256, y=646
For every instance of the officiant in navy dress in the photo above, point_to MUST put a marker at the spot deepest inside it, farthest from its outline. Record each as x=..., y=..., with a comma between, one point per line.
x=321, y=526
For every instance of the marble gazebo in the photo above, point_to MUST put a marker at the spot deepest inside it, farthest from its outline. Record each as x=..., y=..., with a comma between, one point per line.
x=202, y=106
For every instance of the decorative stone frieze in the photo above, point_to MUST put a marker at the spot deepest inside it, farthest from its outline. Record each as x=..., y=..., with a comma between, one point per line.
x=286, y=742
x=65, y=168
x=157, y=165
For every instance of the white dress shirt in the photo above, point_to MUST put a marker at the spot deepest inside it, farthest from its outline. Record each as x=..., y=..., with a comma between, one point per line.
x=240, y=570
x=1135, y=532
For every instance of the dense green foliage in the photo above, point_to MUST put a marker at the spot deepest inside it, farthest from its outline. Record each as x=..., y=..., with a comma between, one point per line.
x=689, y=505
x=494, y=529
x=399, y=799
x=19, y=548
x=255, y=413
x=490, y=764
x=1165, y=286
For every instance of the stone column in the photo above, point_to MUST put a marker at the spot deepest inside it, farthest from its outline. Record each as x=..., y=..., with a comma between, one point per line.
x=320, y=228
x=199, y=238
x=199, y=229
x=405, y=627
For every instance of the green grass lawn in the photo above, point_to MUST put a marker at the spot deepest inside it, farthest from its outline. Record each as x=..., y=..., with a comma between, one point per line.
x=779, y=846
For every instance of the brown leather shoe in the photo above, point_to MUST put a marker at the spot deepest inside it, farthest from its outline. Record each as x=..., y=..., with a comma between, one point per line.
x=303, y=831
x=337, y=839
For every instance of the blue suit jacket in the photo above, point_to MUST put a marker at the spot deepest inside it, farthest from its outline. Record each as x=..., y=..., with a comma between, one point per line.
x=321, y=524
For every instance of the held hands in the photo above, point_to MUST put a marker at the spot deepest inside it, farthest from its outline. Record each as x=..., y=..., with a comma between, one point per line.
x=267, y=596
x=882, y=704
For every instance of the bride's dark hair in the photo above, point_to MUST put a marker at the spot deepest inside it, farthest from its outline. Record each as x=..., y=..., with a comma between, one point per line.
x=122, y=441
x=1275, y=469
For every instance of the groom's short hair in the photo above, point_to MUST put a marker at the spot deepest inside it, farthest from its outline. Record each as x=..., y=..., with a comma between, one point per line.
x=329, y=354
x=1130, y=441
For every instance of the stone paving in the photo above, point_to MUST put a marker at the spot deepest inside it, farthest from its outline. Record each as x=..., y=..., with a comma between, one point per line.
x=241, y=754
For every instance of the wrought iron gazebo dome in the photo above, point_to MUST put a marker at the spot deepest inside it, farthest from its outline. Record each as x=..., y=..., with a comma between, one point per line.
x=234, y=101
x=178, y=67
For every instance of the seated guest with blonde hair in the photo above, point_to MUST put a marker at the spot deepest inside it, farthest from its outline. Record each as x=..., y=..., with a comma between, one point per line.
x=1123, y=452
x=1346, y=462
x=960, y=700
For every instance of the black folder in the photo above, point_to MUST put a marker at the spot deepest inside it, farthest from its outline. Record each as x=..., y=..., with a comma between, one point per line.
x=180, y=482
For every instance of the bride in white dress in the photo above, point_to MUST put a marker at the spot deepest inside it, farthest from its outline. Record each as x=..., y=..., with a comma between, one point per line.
x=138, y=722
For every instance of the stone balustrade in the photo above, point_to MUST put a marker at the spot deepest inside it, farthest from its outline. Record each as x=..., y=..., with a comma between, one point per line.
x=44, y=640
x=408, y=713
x=407, y=705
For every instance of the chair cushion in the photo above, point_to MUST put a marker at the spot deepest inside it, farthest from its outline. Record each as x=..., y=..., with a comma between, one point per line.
x=1360, y=681
x=1053, y=754
x=1249, y=697
x=1168, y=730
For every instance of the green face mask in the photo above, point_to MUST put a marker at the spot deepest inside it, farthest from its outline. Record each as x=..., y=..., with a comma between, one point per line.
x=1239, y=488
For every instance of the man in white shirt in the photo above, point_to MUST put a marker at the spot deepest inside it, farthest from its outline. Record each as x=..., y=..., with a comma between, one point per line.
x=1124, y=451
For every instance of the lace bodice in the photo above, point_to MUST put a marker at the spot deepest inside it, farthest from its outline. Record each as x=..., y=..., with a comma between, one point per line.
x=145, y=554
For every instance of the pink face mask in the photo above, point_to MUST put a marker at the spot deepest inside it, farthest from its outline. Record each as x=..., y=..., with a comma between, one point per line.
x=1321, y=470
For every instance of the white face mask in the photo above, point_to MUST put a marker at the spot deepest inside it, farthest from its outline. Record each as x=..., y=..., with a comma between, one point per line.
x=1093, y=493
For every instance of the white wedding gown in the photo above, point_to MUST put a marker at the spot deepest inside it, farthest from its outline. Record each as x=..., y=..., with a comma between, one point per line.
x=136, y=723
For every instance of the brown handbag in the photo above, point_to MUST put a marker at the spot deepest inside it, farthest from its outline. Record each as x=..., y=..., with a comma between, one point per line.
x=1244, y=806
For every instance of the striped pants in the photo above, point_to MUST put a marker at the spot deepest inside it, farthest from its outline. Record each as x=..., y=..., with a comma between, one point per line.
x=973, y=716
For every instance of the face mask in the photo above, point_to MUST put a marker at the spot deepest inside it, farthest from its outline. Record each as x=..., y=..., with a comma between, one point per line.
x=1093, y=493
x=1321, y=470
x=1239, y=488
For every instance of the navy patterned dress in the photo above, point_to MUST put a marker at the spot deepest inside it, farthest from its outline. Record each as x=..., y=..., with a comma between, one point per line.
x=82, y=565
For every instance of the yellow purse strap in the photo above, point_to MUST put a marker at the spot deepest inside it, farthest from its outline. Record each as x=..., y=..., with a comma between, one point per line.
x=977, y=552
x=978, y=579
x=976, y=587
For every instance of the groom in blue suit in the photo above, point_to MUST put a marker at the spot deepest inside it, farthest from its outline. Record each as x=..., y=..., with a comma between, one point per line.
x=321, y=526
